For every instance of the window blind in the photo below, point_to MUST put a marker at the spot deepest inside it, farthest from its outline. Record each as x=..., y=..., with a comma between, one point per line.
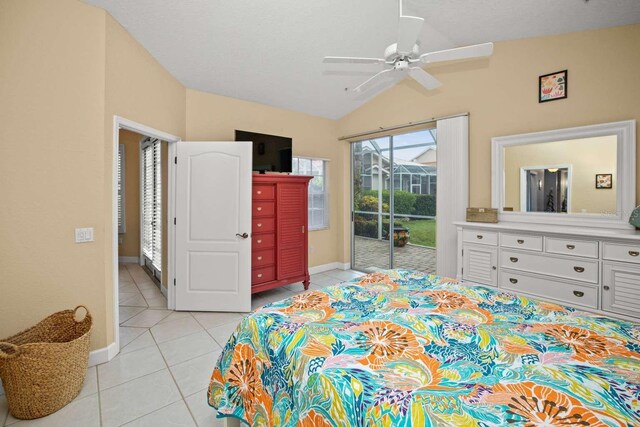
x=152, y=202
x=121, y=219
x=318, y=190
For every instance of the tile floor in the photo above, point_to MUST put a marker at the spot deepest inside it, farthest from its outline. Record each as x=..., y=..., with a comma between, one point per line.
x=161, y=375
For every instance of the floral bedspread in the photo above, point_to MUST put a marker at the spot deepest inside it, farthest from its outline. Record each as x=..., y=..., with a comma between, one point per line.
x=399, y=348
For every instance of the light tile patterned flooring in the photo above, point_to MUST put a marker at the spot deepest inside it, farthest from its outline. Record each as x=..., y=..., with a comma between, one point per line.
x=161, y=375
x=373, y=255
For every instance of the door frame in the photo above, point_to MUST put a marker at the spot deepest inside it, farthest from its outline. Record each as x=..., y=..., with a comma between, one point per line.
x=126, y=124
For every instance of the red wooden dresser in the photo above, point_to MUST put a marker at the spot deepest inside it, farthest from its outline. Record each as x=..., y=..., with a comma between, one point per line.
x=279, y=242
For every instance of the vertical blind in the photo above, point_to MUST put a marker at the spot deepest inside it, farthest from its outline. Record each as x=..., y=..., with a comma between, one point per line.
x=318, y=190
x=152, y=202
x=121, y=223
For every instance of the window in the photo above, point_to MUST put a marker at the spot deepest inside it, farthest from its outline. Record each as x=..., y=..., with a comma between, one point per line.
x=318, y=190
x=121, y=222
x=152, y=204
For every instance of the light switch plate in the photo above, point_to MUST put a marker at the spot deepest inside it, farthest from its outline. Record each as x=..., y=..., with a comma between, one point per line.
x=84, y=235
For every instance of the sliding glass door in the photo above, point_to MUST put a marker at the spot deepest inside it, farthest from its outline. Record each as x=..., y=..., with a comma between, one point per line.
x=152, y=206
x=394, y=186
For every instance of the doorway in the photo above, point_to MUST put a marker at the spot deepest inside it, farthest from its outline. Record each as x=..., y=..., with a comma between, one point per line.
x=394, y=187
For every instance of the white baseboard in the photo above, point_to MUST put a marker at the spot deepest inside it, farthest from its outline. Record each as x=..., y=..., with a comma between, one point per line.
x=327, y=267
x=103, y=355
x=128, y=259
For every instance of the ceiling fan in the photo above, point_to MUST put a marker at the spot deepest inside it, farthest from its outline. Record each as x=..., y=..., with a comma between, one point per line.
x=404, y=56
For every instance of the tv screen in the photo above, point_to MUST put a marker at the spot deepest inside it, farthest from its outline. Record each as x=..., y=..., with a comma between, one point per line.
x=270, y=153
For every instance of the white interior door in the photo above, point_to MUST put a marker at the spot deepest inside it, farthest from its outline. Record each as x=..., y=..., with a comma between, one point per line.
x=213, y=212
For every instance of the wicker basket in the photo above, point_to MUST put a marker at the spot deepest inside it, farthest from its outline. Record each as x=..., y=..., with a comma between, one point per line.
x=482, y=215
x=43, y=367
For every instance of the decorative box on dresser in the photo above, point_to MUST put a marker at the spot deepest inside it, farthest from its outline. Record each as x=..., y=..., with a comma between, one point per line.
x=595, y=269
x=279, y=249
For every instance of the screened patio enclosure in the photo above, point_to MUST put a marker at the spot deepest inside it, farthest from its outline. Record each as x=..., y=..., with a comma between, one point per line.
x=394, y=188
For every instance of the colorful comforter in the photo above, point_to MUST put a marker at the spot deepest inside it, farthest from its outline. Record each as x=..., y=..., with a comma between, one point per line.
x=399, y=348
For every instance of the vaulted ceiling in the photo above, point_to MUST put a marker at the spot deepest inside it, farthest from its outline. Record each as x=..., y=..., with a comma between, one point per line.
x=271, y=51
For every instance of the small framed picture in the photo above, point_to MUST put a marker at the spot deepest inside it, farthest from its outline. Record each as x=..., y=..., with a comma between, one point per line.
x=604, y=181
x=552, y=86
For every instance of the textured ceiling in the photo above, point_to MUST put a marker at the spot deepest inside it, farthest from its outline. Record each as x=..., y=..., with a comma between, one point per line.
x=271, y=51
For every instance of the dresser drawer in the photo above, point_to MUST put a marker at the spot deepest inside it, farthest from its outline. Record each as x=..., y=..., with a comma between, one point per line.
x=521, y=241
x=586, y=248
x=264, y=274
x=263, y=225
x=263, y=241
x=621, y=252
x=262, y=258
x=572, y=294
x=480, y=237
x=264, y=192
x=261, y=209
x=570, y=268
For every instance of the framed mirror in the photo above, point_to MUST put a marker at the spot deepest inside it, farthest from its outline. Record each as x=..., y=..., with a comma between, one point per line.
x=584, y=176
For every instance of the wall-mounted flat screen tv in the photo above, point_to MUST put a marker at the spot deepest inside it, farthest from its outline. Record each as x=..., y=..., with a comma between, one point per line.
x=271, y=153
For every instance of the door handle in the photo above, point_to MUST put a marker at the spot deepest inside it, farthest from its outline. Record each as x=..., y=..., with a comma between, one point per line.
x=634, y=253
x=513, y=259
x=579, y=269
x=514, y=281
x=579, y=294
x=243, y=235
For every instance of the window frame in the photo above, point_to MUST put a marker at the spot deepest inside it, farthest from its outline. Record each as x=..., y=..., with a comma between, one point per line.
x=325, y=190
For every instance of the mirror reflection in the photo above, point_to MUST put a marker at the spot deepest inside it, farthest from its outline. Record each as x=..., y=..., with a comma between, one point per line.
x=570, y=176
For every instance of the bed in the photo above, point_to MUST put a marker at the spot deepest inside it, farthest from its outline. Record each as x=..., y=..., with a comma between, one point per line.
x=399, y=348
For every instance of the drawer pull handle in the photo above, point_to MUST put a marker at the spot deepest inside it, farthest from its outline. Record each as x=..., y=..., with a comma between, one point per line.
x=513, y=259
x=579, y=294
x=259, y=224
x=259, y=192
x=259, y=275
x=571, y=247
x=520, y=241
x=259, y=258
x=259, y=208
x=606, y=288
x=259, y=241
x=634, y=253
x=479, y=236
x=514, y=281
x=579, y=269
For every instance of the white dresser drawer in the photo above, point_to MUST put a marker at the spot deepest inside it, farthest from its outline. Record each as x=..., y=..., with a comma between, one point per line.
x=621, y=288
x=583, y=270
x=572, y=294
x=586, y=248
x=621, y=252
x=480, y=237
x=521, y=241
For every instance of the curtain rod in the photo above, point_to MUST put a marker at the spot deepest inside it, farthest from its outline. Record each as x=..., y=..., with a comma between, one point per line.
x=406, y=125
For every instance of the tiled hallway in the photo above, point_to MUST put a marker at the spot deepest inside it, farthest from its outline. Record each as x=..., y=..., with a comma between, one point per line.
x=161, y=375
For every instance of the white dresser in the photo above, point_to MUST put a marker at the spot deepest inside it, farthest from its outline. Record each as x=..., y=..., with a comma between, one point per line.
x=595, y=269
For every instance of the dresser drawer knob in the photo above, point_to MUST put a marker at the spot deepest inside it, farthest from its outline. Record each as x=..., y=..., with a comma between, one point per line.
x=579, y=269
x=606, y=288
x=513, y=259
x=520, y=241
x=634, y=253
x=259, y=192
x=259, y=208
x=494, y=268
x=579, y=294
x=259, y=241
x=259, y=224
x=514, y=281
x=479, y=236
x=259, y=275
x=571, y=247
x=259, y=258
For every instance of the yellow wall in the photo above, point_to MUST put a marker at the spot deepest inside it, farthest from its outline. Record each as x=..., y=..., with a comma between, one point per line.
x=500, y=93
x=215, y=118
x=587, y=157
x=129, y=241
x=52, y=67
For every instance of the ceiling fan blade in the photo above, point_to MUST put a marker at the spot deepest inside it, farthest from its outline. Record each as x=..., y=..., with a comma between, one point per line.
x=408, y=32
x=370, y=82
x=424, y=78
x=466, y=52
x=350, y=60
